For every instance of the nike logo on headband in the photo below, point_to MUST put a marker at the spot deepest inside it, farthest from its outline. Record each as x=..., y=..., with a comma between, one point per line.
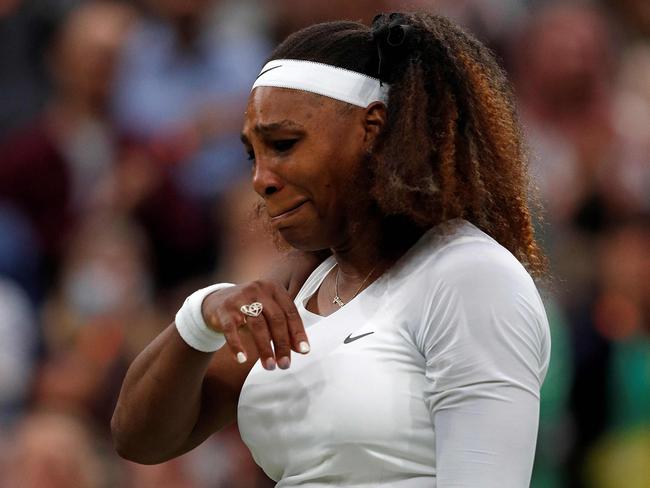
x=267, y=70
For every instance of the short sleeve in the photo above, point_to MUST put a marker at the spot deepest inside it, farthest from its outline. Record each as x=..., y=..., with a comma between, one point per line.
x=485, y=339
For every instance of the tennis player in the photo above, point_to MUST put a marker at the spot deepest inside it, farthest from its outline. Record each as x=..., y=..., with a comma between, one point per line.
x=413, y=354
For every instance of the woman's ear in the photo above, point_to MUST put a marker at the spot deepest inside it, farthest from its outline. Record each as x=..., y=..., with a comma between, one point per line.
x=375, y=119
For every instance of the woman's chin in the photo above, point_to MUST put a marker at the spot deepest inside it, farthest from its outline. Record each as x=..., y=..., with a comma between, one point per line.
x=303, y=241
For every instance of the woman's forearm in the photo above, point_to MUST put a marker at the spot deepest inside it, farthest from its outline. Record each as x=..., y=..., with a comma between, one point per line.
x=160, y=401
x=173, y=396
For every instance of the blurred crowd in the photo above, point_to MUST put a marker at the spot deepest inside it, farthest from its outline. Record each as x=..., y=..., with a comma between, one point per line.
x=123, y=187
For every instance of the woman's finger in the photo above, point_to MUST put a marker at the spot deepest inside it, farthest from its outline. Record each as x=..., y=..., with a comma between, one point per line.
x=277, y=322
x=297, y=333
x=230, y=325
x=259, y=329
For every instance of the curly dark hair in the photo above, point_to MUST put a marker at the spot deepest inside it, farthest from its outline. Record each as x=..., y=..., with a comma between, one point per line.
x=452, y=145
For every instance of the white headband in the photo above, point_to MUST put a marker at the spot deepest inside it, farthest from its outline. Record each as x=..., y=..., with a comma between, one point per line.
x=324, y=79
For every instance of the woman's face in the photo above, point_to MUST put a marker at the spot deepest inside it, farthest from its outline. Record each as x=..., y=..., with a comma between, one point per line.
x=307, y=152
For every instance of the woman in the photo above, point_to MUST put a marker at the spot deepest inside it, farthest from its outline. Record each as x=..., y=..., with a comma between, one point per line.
x=422, y=339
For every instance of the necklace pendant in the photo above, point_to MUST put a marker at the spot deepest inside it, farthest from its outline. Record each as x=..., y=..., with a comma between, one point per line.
x=338, y=301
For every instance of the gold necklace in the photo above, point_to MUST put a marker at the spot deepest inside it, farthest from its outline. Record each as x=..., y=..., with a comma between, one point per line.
x=337, y=298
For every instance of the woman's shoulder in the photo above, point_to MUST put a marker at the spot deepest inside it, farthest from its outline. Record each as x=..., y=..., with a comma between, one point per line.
x=472, y=290
x=459, y=251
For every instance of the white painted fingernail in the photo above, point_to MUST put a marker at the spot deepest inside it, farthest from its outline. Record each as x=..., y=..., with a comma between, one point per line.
x=241, y=357
x=303, y=347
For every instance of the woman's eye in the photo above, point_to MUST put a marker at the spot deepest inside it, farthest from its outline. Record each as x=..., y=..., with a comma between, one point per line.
x=284, y=144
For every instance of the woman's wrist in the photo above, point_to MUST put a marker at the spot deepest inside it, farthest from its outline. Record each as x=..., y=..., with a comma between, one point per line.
x=191, y=325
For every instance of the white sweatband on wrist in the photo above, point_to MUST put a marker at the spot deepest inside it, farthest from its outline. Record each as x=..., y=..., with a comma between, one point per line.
x=191, y=325
x=324, y=79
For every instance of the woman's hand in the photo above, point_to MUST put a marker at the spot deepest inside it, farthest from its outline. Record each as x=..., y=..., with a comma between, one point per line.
x=279, y=322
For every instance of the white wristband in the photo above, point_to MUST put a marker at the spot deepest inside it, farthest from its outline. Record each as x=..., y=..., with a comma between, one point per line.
x=191, y=325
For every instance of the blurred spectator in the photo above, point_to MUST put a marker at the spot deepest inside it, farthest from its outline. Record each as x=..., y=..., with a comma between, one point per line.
x=589, y=163
x=288, y=16
x=51, y=168
x=624, y=271
x=19, y=254
x=7, y=7
x=183, y=82
x=632, y=109
x=564, y=77
x=635, y=14
x=622, y=314
x=492, y=21
x=587, y=119
x=98, y=319
x=26, y=29
x=567, y=76
x=53, y=450
x=17, y=350
x=223, y=461
x=71, y=161
x=172, y=474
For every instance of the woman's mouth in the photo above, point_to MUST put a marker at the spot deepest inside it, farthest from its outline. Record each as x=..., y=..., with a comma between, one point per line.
x=287, y=213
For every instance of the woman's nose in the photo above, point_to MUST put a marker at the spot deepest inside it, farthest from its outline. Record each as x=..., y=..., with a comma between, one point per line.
x=265, y=181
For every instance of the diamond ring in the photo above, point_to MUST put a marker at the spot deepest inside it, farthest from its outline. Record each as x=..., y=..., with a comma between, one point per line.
x=252, y=310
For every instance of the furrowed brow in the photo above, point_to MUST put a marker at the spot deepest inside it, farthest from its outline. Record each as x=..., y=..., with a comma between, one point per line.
x=274, y=126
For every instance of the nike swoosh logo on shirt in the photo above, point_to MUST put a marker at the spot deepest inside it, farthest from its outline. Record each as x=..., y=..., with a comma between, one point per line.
x=267, y=70
x=349, y=338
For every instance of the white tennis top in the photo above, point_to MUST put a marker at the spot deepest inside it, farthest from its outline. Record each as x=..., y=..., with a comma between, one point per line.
x=430, y=377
